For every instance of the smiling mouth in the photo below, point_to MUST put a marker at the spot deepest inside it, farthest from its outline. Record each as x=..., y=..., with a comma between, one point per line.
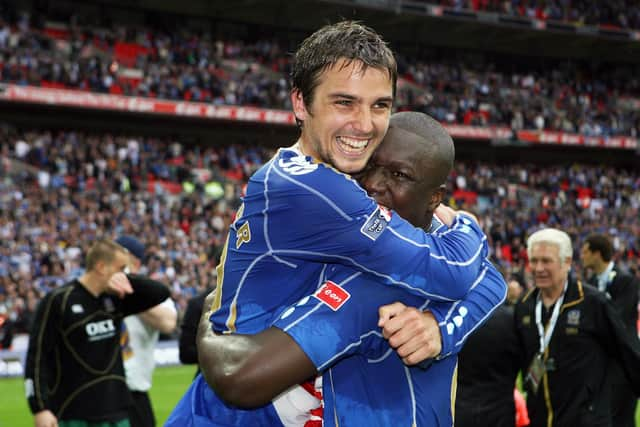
x=352, y=145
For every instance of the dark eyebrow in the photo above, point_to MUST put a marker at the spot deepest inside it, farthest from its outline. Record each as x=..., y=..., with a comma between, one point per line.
x=341, y=95
x=388, y=99
x=399, y=165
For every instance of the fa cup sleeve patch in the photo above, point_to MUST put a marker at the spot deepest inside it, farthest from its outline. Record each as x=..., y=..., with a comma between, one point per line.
x=332, y=295
x=376, y=223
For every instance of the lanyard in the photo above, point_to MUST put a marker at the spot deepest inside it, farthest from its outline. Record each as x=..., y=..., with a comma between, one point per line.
x=545, y=337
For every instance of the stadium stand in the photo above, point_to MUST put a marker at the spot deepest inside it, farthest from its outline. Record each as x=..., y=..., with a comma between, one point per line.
x=507, y=112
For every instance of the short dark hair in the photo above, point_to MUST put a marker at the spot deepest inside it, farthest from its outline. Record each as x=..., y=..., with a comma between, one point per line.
x=345, y=40
x=600, y=243
x=102, y=250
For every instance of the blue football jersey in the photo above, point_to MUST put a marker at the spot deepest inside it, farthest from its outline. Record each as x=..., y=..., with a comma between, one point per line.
x=364, y=381
x=298, y=216
x=298, y=219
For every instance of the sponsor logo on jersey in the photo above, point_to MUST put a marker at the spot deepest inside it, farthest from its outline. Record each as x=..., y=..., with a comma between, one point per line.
x=77, y=308
x=298, y=165
x=332, y=295
x=100, y=330
x=376, y=223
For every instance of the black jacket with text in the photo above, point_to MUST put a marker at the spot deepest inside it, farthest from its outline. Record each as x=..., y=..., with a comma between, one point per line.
x=588, y=334
x=74, y=362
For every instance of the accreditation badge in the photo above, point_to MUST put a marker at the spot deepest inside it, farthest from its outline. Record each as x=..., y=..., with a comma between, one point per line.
x=535, y=373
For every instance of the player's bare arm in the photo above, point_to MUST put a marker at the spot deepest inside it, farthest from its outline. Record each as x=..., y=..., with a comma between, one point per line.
x=252, y=369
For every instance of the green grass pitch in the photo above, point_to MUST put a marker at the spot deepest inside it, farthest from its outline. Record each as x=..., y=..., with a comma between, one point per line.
x=169, y=383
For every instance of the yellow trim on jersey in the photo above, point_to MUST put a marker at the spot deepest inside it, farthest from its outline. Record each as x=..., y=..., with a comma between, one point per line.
x=217, y=301
x=454, y=392
x=231, y=323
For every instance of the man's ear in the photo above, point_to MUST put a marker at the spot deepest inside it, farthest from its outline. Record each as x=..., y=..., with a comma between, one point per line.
x=100, y=267
x=436, y=197
x=299, y=109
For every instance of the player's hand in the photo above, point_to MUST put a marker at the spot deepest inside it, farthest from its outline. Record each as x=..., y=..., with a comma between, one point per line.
x=45, y=419
x=469, y=214
x=445, y=214
x=119, y=285
x=415, y=335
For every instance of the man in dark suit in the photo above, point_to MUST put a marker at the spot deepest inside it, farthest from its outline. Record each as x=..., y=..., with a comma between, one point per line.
x=487, y=369
x=596, y=254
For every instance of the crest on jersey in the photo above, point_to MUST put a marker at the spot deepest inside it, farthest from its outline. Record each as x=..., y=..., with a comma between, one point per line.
x=298, y=165
x=376, y=223
x=573, y=317
x=332, y=295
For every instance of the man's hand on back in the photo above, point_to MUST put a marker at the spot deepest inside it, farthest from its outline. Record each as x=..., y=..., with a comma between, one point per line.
x=414, y=334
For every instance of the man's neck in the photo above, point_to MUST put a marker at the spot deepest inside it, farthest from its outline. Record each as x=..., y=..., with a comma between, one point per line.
x=600, y=267
x=91, y=283
x=550, y=295
x=301, y=146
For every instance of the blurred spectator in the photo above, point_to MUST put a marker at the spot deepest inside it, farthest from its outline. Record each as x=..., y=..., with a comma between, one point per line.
x=139, y=336
x=189, y=328
x=596, y=254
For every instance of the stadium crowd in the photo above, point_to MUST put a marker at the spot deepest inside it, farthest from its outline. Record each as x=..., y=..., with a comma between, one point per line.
x=617, y=14
x=61, y=189
x=182, y=65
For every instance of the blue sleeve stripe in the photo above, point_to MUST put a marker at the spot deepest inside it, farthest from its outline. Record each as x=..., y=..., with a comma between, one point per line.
x=231, y=317
x=316, y=193
x=265, y=212
x=348, y=347
x=407, y=374
x=479, y=279
x=441, y=257
x=320, y=303
x=406, y=239
x=462, y=263
x=361, y=267
x=481, y=322
x=383, y=357
x=301, y=318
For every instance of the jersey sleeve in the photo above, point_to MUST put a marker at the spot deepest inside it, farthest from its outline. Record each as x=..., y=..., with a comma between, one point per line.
x=325, y=216
x=458, y=320
x=341, y=319
x=43, y=340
